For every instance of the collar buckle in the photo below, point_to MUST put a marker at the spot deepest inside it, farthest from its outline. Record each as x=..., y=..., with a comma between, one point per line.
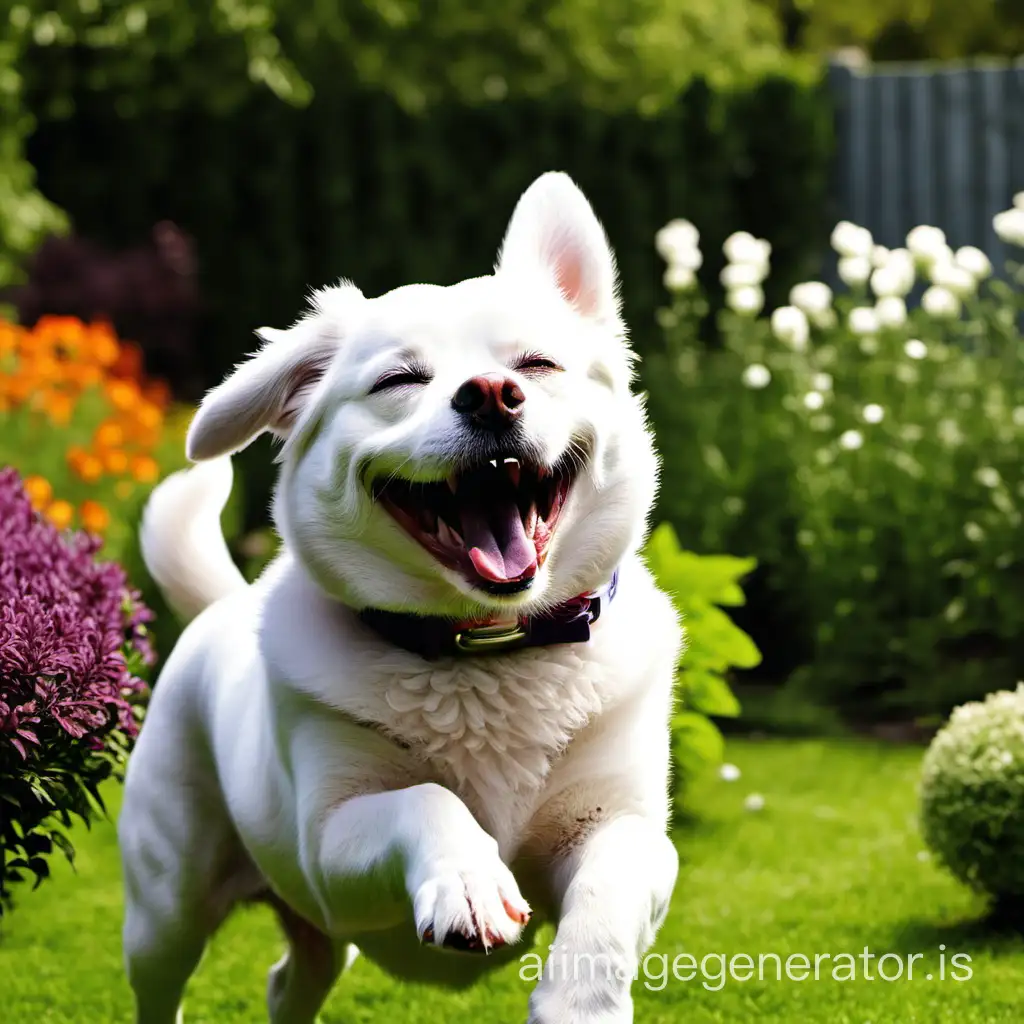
x=489, y=638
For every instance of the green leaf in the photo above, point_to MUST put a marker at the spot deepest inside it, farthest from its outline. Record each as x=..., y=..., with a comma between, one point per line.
x=710, y=694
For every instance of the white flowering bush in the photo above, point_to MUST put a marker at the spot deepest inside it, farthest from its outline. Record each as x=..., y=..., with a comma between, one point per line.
x=972, y=795
x=868, y=449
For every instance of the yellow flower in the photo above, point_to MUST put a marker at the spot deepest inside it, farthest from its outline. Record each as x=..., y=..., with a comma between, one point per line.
x=124, y=489
x=38, y=490
x=95, y=518
x=60, y=513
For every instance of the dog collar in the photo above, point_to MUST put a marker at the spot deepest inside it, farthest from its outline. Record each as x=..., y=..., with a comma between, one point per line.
x=433, y=636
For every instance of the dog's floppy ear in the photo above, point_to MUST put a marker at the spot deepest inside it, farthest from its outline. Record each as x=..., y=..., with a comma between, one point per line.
x=269, y=389
x=554, y=230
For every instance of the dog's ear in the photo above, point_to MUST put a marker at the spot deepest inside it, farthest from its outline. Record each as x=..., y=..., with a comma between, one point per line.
x=554, y=230
x=270, y=388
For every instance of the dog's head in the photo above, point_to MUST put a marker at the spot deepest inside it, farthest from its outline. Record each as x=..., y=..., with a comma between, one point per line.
x=463, y=450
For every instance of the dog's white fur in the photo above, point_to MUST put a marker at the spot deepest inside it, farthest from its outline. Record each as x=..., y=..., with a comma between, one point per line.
x=374, y=798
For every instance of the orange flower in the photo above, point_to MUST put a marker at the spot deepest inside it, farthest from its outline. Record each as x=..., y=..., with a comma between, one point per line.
x=60, y=513
x=58, y=330
x=83, y=375
x=128, y=362
x=75, y=456
x=95, y=518
x=38, y=490
x=115, y=461
x=108, y=435
x=59, y=407
x=148, y=415
x=101, y=344
x=90, y=469
x=123, y=395
x=145, y=469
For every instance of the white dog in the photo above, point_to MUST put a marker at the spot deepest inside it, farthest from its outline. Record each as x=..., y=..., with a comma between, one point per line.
x=414, y=727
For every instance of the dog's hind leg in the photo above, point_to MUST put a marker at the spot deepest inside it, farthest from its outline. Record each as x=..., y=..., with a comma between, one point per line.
x=301, y=980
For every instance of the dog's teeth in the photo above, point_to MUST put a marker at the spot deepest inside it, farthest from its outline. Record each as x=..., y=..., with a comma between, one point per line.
x=494, y=463
x=446, y=535
x=512, y=468
x=453, y=483
x=530, y=524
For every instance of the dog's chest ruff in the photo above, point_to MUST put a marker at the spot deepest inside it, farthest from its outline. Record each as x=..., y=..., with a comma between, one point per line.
x=494, y=725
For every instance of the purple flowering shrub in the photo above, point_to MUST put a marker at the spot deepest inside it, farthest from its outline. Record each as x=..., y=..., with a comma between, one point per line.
x=72, y=643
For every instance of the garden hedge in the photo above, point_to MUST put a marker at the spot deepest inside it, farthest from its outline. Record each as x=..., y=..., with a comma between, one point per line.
x=279, y=199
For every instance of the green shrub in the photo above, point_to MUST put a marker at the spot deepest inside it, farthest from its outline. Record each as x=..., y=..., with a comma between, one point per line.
x=972, y=795
x=699, y=586
x=870, y=457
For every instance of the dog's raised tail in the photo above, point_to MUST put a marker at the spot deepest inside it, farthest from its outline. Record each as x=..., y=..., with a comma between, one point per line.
x=182, y=541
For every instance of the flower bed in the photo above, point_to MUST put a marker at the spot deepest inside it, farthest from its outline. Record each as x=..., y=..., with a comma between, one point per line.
x=870, y=455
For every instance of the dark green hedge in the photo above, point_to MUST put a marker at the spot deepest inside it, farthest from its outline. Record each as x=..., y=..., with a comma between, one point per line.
x=279, y=199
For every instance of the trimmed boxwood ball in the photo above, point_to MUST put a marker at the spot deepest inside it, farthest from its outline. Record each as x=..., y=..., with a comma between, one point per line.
x=972, y=794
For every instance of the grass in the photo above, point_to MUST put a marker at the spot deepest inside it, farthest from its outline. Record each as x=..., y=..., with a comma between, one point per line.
x=832, y=864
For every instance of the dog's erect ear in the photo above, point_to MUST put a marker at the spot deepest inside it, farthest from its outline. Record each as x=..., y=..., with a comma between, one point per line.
x=554, y=229
x=269, y=389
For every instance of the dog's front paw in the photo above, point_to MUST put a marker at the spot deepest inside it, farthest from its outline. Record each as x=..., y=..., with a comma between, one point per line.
x=472, y=907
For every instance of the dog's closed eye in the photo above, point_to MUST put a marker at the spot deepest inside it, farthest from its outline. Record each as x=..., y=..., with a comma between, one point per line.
x=533, y=363
x=406, y=376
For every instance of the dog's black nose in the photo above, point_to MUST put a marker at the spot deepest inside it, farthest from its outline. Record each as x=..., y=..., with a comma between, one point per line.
x=490, y=401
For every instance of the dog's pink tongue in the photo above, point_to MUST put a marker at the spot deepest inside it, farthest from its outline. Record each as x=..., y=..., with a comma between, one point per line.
x=496, y=540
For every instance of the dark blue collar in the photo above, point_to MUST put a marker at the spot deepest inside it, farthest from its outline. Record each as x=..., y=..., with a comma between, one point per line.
x=433, y=636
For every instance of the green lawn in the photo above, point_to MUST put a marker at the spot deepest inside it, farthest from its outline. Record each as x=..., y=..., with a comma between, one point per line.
x=830, y=865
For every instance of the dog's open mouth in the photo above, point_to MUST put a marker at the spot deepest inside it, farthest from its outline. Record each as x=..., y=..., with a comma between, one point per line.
x=492, y=522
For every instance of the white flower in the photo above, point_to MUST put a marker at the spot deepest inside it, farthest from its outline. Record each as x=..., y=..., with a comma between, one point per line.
x=850, y=240
x=789, y=325
x=813, y=297
x=988, y=476
x=854, y=270
x=974, y=261
x=915, y=349
x=742, y=275
x=851, y=440
x=953, y=278
x=1009, y=225
x=940, y=303
x=879, y=255
x=743, y=247
x=748, y=300
x=679, y=278
x=814, y=400
x=754, y=802
x=868, y=344
x=926, y=243
x=1018, y=200
x=757, y=376
x=676, y=239
x=863, y=320
x=822, y=381
x=729, y=772
x=873, y=413
x=891, y=311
